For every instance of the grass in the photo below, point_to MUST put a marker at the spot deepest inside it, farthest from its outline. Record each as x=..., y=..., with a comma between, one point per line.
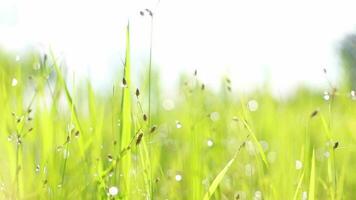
x=61, y=139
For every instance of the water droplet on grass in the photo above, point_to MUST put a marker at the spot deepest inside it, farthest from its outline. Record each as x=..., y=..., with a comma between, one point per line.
x=210, y=143
x=304, y=195
x=298, y=165
x=113, y=191
x=59, y=148
x=14, y=82
x=264, y=145
x=258, y=195
x=326, y=96
x=38, y=168
x=110, y=158
x=178, y=177
x=327, y=154
x=353, y=94
x=178, y=124
x=214, y=116
x=252, y=105
x=9, y=138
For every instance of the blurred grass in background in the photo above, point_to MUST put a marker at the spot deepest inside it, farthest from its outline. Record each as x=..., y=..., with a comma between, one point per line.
x=60, y=139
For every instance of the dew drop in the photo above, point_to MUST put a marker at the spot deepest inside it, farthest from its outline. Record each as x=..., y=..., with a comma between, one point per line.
x=298, y=165
x=214, y=116
x=178, y=177
x=304, y=195
x=252, y=105
x=264, y=145
x=113, y=191
x=353, y=95
x=178, y=125
x=326, y=96
x=110, y=158
x=210, y=143
x=38, y=168
x=59, y=148
x=14, y=82
x=327, y=154
x=258, y=195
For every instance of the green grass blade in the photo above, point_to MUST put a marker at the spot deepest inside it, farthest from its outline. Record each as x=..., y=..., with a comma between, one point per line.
x=218, y=179
x=312, y=179
x=125, y=135
x=260, y=149
x=298, y=186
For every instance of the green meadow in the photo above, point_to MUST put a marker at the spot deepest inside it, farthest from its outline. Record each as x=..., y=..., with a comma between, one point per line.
x=62, y=139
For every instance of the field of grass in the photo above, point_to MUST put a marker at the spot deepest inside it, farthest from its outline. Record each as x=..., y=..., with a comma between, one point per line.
x=61, y=139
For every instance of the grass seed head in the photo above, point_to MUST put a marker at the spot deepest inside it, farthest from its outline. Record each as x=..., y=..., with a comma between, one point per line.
x=139, y=138
x=314, y=113
x=153, y=129
x=336, y=145
x=137, y=92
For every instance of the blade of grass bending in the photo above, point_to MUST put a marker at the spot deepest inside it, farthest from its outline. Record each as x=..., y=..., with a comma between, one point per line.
x=260, y=149
x=68, y=96
x=214, y=185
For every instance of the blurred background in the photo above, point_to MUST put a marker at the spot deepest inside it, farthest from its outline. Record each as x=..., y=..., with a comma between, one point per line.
x=284, y=43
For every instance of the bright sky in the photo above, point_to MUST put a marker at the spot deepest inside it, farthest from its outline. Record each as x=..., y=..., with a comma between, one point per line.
x=289, y=41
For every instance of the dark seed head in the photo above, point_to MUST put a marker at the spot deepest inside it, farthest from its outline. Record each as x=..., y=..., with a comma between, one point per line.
x=30, y=129
x=142, y=13
x=149, y=12
x=137, y=92
x=336, y=144
x=29, y=110
x=144, y=117
x=76, y=134
x=324, y=70
x=195, y=73
x=202, y=86
x=124, y=83
x=139, y=138
x=154, y=127
x=45, y=58
x=314, y=113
